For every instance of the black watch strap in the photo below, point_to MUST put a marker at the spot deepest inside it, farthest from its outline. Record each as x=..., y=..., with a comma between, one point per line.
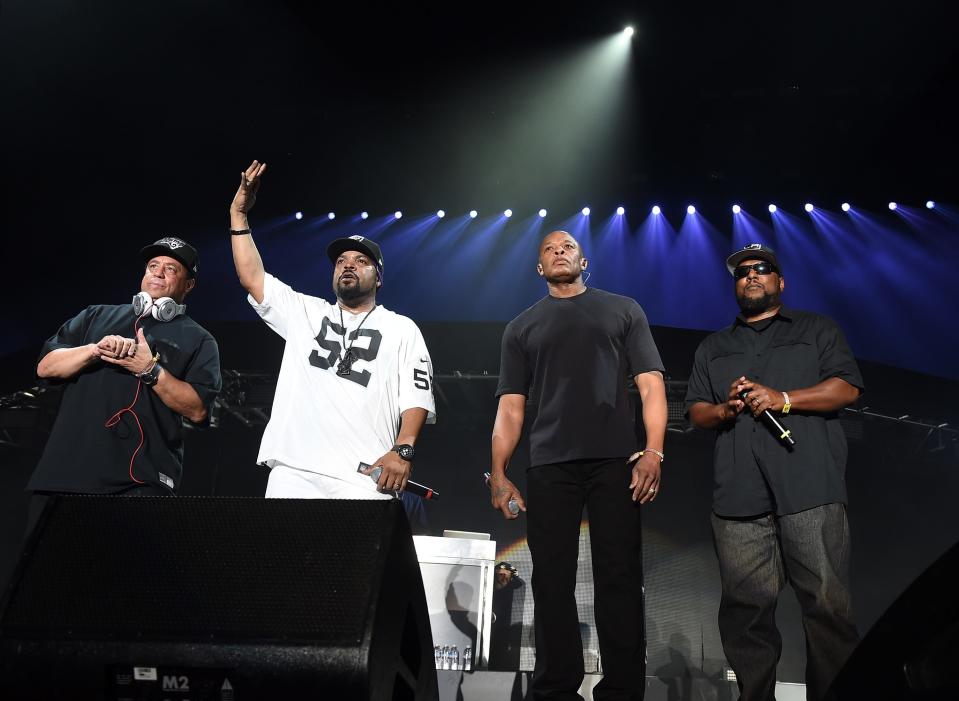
x=404, y=450
x=150, y=378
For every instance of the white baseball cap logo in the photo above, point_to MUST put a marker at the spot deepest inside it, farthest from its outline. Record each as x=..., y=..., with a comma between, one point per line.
x=171, y=242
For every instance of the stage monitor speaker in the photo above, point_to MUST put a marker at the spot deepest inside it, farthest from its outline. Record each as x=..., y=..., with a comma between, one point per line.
x=912, y=652
x=217, y=598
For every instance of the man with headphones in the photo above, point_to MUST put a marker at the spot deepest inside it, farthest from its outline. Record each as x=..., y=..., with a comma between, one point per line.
x=570, y=358
x=129, y=372
x=356, y=381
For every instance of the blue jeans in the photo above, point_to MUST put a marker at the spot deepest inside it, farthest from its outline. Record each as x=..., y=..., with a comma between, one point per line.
x=757, y=556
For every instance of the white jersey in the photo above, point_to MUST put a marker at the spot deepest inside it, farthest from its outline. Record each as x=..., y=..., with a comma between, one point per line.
x=327, y=423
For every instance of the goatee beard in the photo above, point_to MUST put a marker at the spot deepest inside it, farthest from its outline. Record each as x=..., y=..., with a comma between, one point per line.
x=352, y=293
x=757, y=305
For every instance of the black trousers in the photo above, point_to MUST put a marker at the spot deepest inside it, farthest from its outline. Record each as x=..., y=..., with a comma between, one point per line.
x=556, y=495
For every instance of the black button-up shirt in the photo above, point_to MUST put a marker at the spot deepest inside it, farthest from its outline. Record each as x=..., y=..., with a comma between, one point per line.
x=754, y=472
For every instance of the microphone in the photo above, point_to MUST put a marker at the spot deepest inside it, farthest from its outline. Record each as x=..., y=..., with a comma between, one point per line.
x=785, y=435
x=512, y=505
x=412, y=487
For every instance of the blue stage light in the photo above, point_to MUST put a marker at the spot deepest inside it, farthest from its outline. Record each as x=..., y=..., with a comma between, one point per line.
x=298, y=215
x=845, y=207
x=620, y=211
x=331, y=216
x=508, y=213
x=440, y=213
x=930, y=204
x=364, y=215
x=772, y=209
x=397, y=214
x=690, y=209
x=473, y=214
x=737, y=209
x=656, y=210
x=893, y=206
x=585, y=211
x=542, y=214
x=808, y=207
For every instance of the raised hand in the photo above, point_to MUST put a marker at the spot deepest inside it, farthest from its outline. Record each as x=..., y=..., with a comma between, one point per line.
x=245, y=196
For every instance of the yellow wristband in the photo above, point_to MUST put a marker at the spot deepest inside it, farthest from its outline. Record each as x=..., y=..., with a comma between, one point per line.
x=786, y=405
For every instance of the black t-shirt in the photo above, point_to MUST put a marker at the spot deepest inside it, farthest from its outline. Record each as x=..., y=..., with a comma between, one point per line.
x=573, y=358
x=754, y=472
x=82, y=455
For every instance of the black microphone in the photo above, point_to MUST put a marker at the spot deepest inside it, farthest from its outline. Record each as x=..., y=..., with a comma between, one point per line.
x=420, y=490
x=785, y=435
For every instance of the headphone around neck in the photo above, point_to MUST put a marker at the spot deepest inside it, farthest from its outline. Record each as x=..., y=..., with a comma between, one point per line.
x=162, y=309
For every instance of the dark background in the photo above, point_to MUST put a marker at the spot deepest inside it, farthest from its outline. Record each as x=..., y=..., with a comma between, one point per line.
x=124, y=122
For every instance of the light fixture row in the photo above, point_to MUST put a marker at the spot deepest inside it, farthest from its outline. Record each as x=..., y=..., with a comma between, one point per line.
x=656, y=210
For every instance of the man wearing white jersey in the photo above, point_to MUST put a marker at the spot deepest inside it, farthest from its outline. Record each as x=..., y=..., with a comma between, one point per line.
x=355, y=384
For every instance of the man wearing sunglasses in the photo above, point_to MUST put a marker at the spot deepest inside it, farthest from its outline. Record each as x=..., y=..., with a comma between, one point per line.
x=779, y=511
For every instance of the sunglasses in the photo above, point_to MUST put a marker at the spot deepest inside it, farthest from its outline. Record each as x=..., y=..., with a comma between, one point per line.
x=764, y=268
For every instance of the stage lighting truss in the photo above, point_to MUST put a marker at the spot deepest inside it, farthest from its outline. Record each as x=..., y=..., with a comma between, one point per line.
x=655, y=210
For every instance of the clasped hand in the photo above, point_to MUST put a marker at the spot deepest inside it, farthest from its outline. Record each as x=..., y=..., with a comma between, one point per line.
x=133, y=355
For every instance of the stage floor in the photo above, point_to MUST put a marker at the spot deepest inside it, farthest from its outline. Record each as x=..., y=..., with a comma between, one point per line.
x=511, y=686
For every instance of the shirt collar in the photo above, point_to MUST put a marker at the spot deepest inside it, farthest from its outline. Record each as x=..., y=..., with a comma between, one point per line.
x=784, y=313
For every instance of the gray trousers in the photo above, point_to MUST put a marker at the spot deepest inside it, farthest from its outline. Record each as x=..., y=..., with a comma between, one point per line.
x=757, y=556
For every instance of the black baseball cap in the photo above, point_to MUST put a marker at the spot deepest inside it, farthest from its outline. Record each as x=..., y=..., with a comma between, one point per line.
x=356, y=243
x=753, y=250
x=175, y=248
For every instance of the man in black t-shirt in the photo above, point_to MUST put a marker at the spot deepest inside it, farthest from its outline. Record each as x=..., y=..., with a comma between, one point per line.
x=571, y=356
x=778, y=509
x=129, y=374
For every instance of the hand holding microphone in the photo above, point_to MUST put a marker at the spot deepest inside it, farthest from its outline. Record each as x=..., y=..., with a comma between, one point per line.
x=515, y=503
x=420, y=490
x=756, y=398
